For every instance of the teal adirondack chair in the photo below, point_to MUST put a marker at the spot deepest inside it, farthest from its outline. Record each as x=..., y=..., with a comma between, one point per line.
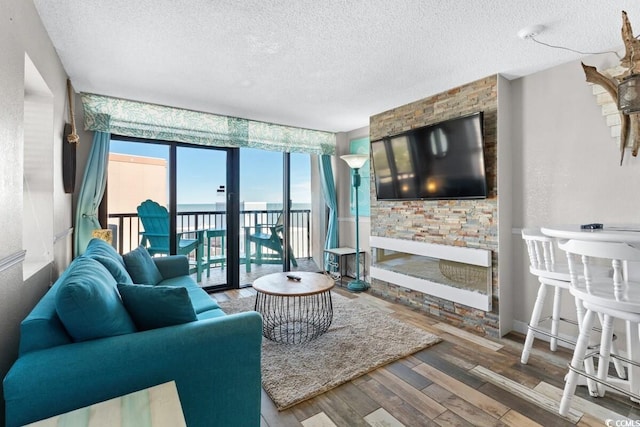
x=155, y=237
x=267, y=240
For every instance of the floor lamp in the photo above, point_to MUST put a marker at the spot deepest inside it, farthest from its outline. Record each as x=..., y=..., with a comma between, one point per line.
x=355, y=162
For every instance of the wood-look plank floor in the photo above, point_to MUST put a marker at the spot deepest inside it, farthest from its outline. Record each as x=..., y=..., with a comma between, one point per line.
x=466, y=380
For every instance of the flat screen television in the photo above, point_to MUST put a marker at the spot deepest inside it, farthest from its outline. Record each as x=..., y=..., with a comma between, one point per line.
x=440, y=161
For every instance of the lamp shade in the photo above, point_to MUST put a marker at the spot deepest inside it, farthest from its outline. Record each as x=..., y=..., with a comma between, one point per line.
x=355, y=161
x=629, y=94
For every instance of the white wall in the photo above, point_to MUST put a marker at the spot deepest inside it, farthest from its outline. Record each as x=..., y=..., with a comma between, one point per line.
x=37, y=166
x=565, y=165
x=505, y=205
x=21, y=32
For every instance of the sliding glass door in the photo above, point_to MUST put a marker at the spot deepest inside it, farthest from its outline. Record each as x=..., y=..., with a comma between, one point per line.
x=193, y=188
x=300, y=214
x=261, y=220
x=225, y=207
x=201, y=210
x=137, y=171
x=275, y=234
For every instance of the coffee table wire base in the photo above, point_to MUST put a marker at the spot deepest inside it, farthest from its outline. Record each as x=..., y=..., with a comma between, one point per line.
x=294, y=319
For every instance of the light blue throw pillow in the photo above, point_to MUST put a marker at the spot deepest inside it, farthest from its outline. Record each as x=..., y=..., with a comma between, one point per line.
x=106, y=255
x=88, y=303
x=141, y=267
x=153, y=307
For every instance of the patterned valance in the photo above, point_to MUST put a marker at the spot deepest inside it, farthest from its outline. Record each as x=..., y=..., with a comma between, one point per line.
x=138, y=119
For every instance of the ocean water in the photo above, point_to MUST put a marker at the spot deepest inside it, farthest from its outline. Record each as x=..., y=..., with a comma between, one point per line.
x=244, y=206
x=248, y=219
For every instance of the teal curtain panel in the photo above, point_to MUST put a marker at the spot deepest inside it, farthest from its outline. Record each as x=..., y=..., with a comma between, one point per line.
x=329, y=192
x=91, y=191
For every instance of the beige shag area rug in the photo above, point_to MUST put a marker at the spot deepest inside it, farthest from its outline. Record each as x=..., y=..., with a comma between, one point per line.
x=359, y=340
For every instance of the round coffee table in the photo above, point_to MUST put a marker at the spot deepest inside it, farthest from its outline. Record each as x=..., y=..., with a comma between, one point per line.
x=294, y=312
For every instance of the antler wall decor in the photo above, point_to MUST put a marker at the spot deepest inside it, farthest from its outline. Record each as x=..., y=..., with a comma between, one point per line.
x=624, y=89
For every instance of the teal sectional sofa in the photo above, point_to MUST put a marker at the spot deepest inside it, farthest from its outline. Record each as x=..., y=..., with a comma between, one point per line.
x=95, y=335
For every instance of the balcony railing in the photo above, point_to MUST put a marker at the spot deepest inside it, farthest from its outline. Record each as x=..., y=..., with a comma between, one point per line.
x=127, y=228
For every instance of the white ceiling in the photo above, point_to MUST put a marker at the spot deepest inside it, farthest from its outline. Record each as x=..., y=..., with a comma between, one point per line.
x=318, y=64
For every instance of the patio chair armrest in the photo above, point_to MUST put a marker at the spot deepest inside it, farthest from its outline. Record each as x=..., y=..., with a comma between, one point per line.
x=199, y=235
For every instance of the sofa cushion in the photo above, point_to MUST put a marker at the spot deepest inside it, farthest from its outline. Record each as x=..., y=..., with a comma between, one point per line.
x=106, y=255
x=88, y=303
x=141, y=267
x=210, y=314
x=200, y=299
x=157, y=306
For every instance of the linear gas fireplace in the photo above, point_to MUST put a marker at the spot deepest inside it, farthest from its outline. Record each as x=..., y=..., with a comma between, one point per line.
x=458, y=274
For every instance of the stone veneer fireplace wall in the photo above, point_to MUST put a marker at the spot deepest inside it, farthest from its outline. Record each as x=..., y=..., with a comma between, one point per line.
x=462, y=223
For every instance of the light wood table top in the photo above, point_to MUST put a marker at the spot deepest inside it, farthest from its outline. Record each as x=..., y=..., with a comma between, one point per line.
x=157, y=406
x=279, y=284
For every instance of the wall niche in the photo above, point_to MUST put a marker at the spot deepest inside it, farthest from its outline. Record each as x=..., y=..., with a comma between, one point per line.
x=457, y=223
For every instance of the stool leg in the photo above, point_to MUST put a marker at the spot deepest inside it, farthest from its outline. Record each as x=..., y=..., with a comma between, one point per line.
x=588, y=363
x=555, y=318
x=535, y=319
x=579, y=311
x=576, y=362
x=619, y=365
x=633, y=350
x=605, y=352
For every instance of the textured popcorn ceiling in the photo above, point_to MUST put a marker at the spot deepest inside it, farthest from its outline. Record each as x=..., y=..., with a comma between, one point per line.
x=320, y=64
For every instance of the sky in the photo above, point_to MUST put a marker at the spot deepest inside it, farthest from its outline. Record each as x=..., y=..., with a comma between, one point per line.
x=202, y=171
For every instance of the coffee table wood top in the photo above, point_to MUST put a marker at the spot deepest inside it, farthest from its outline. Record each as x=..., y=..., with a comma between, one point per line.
x=279, y=284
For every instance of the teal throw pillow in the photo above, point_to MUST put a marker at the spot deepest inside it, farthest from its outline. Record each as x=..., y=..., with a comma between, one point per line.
x=106, y=255
x=153, y=307
x=88, y=303
x=141, y=267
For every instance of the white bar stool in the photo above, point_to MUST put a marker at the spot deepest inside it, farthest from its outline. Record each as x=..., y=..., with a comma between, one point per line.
x=543, y=265
x=550, y=274
x=610, y=298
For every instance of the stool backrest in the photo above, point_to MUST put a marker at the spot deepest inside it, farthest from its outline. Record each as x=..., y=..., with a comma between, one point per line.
x=541, y=249
x=582, y=256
